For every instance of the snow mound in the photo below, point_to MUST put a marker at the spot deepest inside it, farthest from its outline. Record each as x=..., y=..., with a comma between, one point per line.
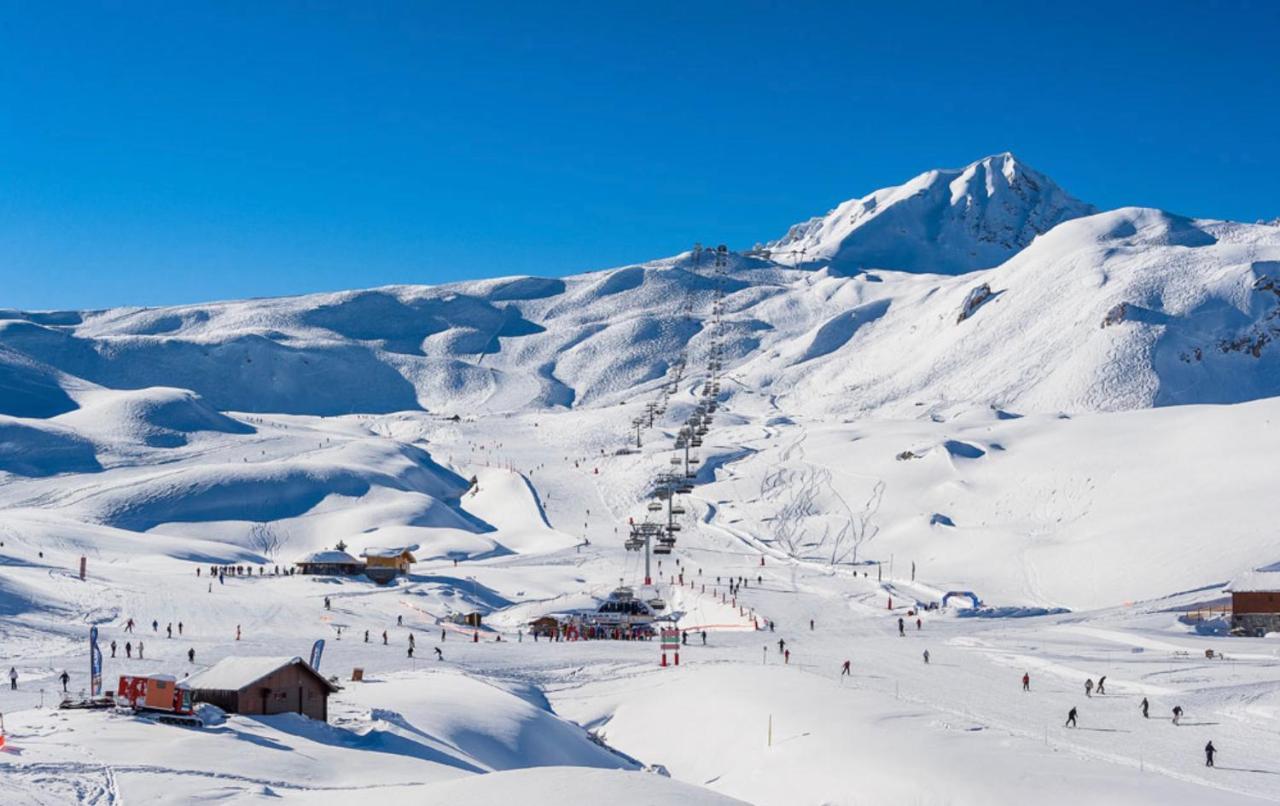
x=34, y=448
x=156, y=417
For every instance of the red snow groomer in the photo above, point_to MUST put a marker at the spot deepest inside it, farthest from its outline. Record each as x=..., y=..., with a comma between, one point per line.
x=159, y=697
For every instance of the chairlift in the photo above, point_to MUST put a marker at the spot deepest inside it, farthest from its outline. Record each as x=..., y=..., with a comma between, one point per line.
x=678, y=510
x=654, y=506
x=656, y=604
x=661, y=549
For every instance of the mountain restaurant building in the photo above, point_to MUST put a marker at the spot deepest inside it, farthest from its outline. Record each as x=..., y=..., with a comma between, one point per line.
x=264, y=686
x=385, y=564
x=1255, y=603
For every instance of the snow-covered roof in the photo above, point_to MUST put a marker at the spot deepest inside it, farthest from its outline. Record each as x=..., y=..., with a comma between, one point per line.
x=233, y=674
x=1256, y=581
x=388, y=551
x=330, y=557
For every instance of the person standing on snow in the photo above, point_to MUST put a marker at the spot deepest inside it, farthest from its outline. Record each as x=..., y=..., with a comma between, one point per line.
x=169, y=629
x=1088, y=687
x=782, y=644
x=786, y=656
x=902, y=629
x=384, y=637
x=704, y=637
x=439, y=654
x=65, y=678
x=844, y=670
x=128, y=649
x=1026, y=681
x=1102, y=684
x=1177, y=713
x=926, y=656
x=1209, y=751
x=13, y=678
x=1144, y=705
x=1071, y=718
x=919, y=623
x=113, y=649
x=139, y=650
x=191, y=655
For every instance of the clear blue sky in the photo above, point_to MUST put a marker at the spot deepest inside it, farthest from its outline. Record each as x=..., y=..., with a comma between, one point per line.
x=176, y=152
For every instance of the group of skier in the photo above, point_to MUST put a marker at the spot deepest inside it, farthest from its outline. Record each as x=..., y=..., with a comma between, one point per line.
x=1145, y=707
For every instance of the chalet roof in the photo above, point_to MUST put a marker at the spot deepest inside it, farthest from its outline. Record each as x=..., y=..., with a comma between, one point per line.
x=388, y=552
x=234, y=674
x=330, y=557
x=1256, y=582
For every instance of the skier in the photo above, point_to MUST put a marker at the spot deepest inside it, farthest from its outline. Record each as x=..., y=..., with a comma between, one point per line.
x=139, y=650
x=786, y=656
x=782, y=644
x=902, y=630
x=844, y=670
x=1102, y=684
x=704, y=637
x=411, y=650
x=411, y=641
x=169, y=629
x=919, y=624
x=1071, y=717
x=442, y=634
x=400, y=621
x=113, y=649
x=66, y=678
x=1088, y=687
x=366, y=636
x=1209, y=751
x=326, y=603
x=770, y=625
x=439, y=654
x=384, y=637
x=13, y=679
x=519, y=636
x=1026, y=681
x=238, y=632
x=810, y=625
x=684, y=638
x=926, y=656
x=1177, y=713
x=128, y=626
x=191, y=655
x=1144, y=705
x=179, y=628
x=128, y=649
x=155, y=626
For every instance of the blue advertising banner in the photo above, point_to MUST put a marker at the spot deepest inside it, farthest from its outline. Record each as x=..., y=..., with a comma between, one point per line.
x=316, y=650
x=95, y=664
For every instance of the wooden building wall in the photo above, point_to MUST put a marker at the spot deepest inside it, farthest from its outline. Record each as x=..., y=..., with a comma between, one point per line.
x=289, y=690
x=1255, y=602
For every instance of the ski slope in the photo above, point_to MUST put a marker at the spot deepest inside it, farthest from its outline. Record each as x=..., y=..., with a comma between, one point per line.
x=1085, y=444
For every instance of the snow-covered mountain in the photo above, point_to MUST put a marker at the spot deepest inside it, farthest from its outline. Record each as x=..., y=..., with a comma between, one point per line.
x=942, y=221
x=1124, y=309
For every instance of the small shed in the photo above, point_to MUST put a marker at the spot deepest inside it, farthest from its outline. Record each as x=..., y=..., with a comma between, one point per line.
x=386, y=563
x=330, y=562
x=264, y=686
x=1255, y=602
